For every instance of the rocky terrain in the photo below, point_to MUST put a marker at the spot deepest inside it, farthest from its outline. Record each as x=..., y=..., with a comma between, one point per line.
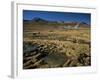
x=52, y=44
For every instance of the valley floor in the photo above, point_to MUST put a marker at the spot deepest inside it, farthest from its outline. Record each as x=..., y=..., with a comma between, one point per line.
x=56, y=48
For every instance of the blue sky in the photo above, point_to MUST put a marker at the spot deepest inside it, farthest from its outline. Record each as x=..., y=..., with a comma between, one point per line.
x=57, y=16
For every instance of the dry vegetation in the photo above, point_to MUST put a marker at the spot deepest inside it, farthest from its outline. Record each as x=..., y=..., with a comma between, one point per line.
x=50, y=48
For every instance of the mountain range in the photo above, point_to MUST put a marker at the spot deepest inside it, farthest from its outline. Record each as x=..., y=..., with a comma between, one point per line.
x=39, y=21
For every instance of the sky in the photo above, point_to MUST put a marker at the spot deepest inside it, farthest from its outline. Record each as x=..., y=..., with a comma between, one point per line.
x=57, y=16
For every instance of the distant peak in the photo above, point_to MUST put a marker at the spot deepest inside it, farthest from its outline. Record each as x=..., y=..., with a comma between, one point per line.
x=37, y=19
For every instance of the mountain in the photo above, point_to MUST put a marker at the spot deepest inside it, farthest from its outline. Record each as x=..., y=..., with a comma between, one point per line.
x=85, y=24
x=37, y=22
x=26, y=21
x=36, y=19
